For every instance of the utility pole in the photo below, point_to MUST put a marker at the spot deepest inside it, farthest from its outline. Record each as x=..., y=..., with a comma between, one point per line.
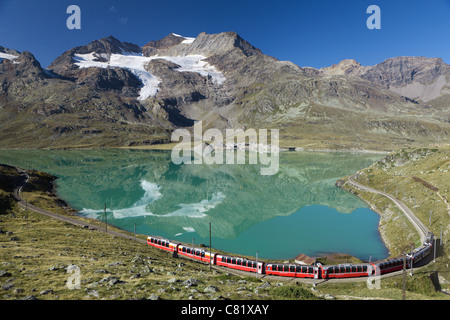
x=257, y=263
x=404, y=277
x=210, y=267
x=434, y=260
x=106, y=221
x=411, y=260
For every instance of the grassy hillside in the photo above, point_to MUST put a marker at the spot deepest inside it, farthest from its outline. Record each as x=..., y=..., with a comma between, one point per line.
x=419, y=177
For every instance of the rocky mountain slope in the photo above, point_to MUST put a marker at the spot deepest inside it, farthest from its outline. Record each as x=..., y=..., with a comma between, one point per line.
x=426, y=80
x=113, y=93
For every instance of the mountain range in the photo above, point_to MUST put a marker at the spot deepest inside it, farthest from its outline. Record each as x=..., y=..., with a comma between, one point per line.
x=110, y=93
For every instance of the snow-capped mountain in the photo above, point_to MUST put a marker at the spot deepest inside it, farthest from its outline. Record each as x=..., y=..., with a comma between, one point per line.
x=113, y=93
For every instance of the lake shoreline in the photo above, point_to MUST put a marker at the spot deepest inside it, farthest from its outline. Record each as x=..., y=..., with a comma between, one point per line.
x=331, y=256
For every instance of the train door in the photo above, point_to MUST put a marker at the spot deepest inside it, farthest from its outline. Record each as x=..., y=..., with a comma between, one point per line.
x=318, y=271
x=260, y=268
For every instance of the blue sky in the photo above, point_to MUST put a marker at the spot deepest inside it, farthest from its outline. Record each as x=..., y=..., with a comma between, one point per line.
x=309, y=33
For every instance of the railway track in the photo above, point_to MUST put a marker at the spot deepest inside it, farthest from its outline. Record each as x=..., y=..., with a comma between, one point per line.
x=27, y=206
x=418, y=225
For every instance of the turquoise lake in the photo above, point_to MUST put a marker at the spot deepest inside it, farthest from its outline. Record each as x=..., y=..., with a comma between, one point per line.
x=298, y=210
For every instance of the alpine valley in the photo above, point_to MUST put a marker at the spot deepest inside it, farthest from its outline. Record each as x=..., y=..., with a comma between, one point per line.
x=117, y=94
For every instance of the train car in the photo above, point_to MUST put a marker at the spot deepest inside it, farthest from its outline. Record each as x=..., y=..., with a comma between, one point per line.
x=292, y=270
x=392, y=265
x=240, y=264
x=420, y=253
x=163, y=244
x=196, y=253
x=429, y=239
x=346, y=271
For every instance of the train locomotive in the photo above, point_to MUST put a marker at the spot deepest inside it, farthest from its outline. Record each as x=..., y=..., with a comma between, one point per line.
x=316, y=271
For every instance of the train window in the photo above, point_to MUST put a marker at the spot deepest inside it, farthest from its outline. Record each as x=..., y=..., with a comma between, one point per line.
x=239, y=262
x=188, y=250
x=358, y=268
x=233, y=261
x=275, y=267
x=341, y=269
x=353, y=269
x=298, y=269
x=292, y=268
x=347, y=269
x=364, y=268
x=254, y=264
x=310, y=270
x=330, y=270
x=304, y=269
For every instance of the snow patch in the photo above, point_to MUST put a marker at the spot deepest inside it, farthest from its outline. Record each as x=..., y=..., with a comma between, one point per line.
x=8, y=57
x=188, y=40
x=136, y=64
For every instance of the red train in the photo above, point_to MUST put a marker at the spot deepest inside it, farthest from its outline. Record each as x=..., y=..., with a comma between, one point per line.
x=317, y=271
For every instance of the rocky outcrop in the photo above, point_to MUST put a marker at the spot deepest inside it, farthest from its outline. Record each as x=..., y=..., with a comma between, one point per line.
x=418, y=78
